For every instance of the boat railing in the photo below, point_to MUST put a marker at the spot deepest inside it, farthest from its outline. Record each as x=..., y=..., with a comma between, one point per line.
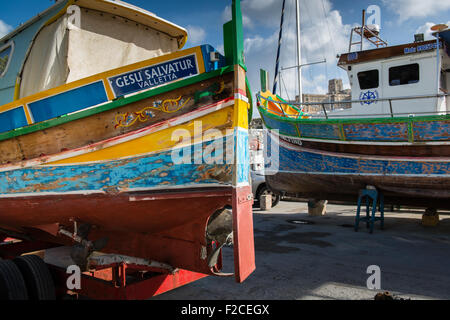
x=365, y=101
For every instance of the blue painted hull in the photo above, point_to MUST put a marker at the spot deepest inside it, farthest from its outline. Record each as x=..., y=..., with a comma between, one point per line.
x=308, y=173
x=154, y=171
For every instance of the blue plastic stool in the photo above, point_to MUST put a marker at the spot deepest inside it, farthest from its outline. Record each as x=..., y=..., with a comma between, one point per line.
x=377, y=200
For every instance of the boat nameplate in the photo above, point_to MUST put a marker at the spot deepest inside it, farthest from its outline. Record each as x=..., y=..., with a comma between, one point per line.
x=154, y=75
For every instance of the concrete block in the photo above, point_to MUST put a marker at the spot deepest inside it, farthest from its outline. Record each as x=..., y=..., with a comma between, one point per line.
x=265, y=202
x=317, y=207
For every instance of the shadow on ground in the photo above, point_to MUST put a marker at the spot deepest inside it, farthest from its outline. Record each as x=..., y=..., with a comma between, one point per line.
x=302, y=257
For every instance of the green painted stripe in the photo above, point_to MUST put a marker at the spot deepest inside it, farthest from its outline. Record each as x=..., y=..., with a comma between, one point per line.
x=353, y=120
x=113, y=105
x=410, y=131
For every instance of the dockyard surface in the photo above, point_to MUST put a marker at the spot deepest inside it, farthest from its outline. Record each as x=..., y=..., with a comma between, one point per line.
x=322, y=257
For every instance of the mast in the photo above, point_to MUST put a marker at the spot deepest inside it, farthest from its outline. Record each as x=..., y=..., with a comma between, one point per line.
x=280, y=36
x=299, y=51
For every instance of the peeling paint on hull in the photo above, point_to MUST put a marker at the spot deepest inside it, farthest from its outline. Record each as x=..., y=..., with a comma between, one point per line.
x=313, y=173
x=156, y=170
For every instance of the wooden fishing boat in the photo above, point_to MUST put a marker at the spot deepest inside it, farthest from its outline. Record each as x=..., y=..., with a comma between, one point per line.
x=395, y=136
x=114, y=137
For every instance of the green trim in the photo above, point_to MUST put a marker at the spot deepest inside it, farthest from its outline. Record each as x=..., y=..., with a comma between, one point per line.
x=263, y=80
x=341, y=122
x=233, y=37
x=238, y=34
x=248, y=92
x=113, y=105
x=410, y=132
x=285, y=102
x=353, y=120
x=228, y=40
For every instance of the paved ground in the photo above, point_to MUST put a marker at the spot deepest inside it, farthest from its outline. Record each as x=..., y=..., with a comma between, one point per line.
x=327, y=259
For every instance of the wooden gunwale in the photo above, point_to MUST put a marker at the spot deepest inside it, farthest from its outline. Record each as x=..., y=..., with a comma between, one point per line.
x=113, y=104
x=409, y=121
x=360, y=120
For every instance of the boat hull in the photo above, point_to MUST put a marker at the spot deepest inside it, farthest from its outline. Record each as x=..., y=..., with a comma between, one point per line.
x=157, y=225
x=160, y=108
x=420, y=136
x=310, y=173
x=142, y=159
x=152, y=188
x=417, y=150
x=153, y=205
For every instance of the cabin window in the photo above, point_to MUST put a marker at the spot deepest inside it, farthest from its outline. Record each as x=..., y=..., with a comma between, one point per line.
x=5, y=57
x=369, y=79
x=406, y=74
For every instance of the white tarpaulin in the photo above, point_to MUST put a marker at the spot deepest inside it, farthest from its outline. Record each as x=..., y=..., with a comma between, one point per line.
x=64, y=52
x=46, y=66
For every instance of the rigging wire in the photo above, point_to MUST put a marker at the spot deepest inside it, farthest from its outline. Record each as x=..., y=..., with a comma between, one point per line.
x=329, y=34
x=285, y=88
x=319, y=36
x=328, y=27
x=289, y=23
x=280, y=39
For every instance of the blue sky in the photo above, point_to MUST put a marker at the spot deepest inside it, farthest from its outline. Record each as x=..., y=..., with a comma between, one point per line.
x=326, y=26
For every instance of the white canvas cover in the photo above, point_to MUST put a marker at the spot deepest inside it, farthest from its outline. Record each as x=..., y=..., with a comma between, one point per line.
x=46, y=66
x=71, y=48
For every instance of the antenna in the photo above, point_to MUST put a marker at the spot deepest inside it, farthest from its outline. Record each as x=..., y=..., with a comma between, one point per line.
x=369, y=32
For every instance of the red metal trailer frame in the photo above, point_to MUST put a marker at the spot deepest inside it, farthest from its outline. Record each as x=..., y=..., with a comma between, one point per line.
x=117, y=281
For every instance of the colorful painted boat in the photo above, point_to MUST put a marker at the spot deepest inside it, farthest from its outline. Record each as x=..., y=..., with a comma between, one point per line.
x=143, y=149
x=395, y=135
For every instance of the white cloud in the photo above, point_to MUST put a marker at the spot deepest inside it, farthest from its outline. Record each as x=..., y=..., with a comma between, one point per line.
x=320, y=38
x=196, y=35
x=426, y=30
x=407, y=9
x=246, y=21
x=4, y=28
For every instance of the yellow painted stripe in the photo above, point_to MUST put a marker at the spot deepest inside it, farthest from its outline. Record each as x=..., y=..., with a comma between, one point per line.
x=109, y=91
x=60, y=13
x=103, y=76
x=241, y=114
x=157, y=141
x=17, y=89
x=28, y=114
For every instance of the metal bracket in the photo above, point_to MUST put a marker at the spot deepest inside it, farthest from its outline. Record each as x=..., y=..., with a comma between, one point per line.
x=244, y=199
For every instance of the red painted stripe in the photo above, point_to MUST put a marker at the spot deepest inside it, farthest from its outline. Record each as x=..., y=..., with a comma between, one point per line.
x=240, y=91
x=292, y=146
x=153, y=126
x=148, y=129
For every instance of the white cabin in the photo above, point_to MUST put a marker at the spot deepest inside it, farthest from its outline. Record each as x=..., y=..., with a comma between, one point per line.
x=397, y=72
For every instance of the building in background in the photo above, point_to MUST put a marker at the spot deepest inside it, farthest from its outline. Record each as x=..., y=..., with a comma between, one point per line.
x=336, y=93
